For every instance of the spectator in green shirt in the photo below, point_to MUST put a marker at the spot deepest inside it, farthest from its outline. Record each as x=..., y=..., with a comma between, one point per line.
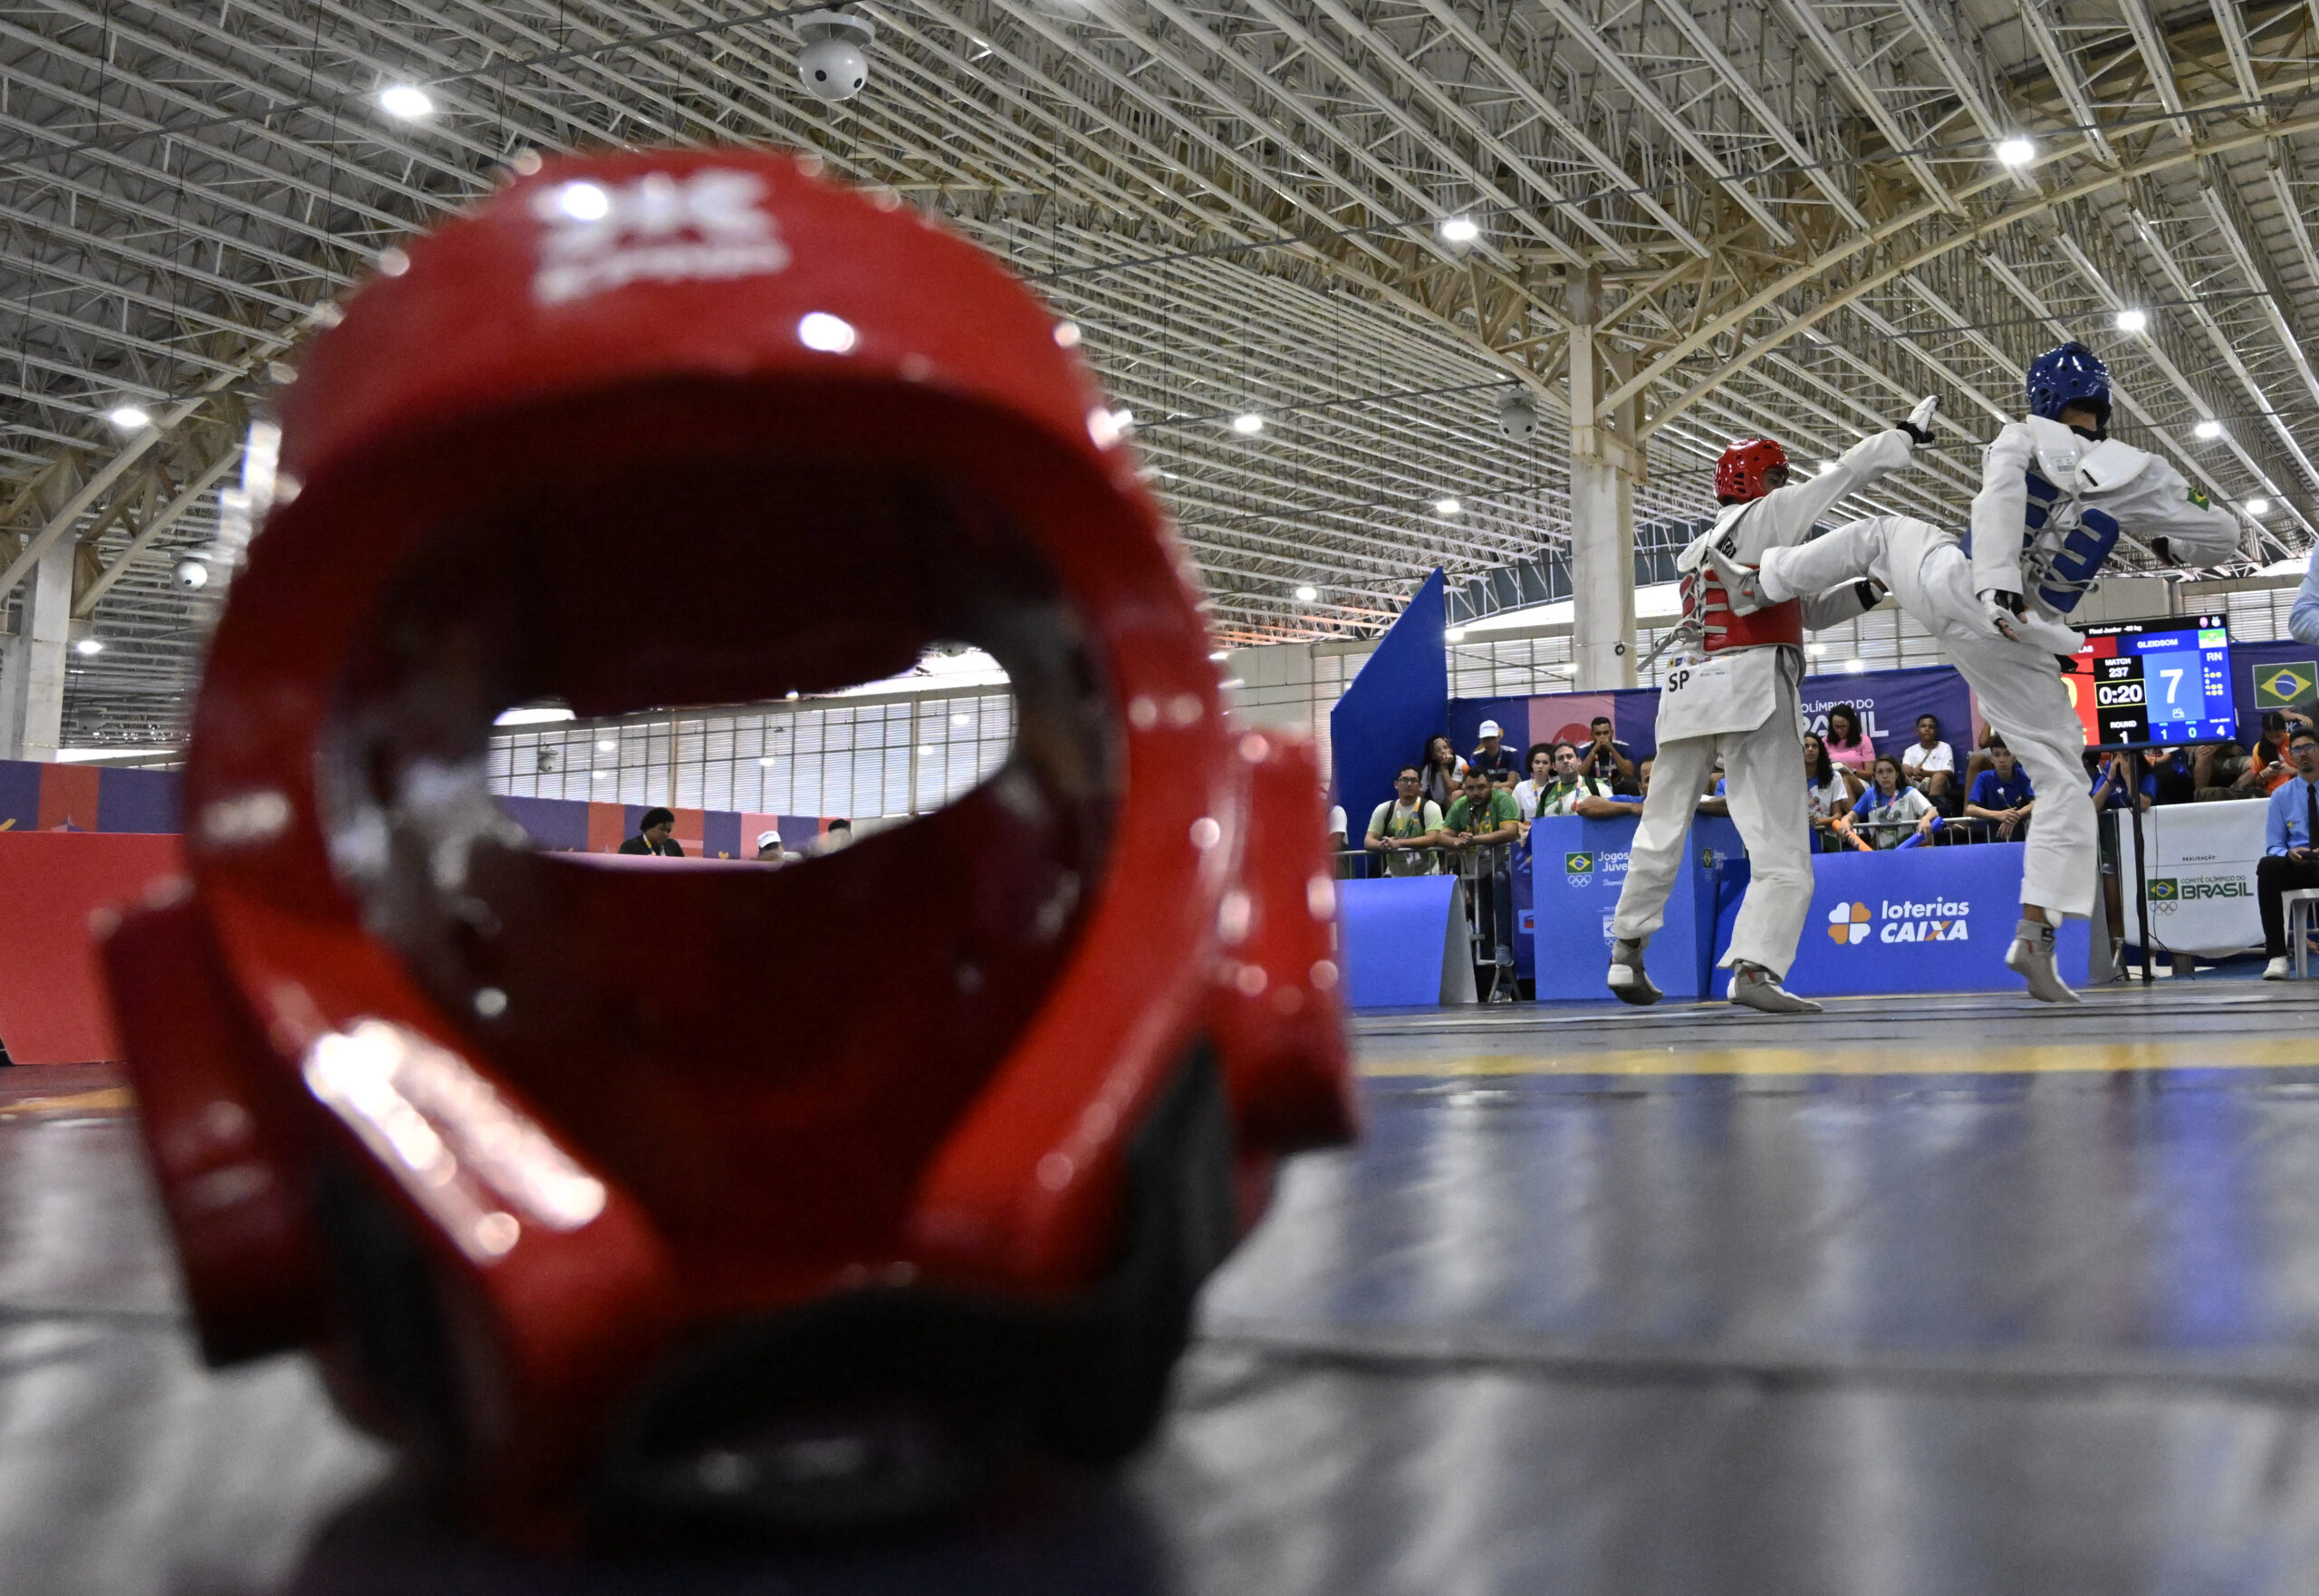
x=1484, y=821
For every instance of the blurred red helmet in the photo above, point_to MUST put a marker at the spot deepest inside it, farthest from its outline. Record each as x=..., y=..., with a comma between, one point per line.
x=1740, y=473
x=634, y=1183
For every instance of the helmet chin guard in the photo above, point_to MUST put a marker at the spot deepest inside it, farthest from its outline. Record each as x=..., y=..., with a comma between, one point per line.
x=610, y=1185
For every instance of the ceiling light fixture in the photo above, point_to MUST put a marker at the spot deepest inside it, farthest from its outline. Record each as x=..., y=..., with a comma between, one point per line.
x=2132, y=321
x=1247, y=425
x=128, y=418
x=2258, y=505
x=1306, y=595
x=2015, y=152
x=1460, y=230
x=2209, y=429
x=406, y=101
x=88, y=646
x=1446, y=507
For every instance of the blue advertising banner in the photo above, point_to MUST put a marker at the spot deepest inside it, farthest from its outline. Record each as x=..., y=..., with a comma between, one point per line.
x=1567, y=879
x=1923, y=919
x=1887, y=703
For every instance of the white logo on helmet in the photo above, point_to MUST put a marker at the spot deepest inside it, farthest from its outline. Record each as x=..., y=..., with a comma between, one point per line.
x=656, y=228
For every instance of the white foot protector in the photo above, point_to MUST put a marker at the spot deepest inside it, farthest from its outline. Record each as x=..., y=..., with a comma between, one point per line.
x=1628, y=981
x=2276, y=970
x=2031, y=957
x=1756, y=987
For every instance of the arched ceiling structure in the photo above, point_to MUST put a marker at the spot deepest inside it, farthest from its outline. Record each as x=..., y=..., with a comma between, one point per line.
x=1788, y=215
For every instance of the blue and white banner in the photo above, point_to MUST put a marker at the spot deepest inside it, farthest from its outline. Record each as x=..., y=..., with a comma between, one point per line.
x=1567, y=879
x=1926, y=920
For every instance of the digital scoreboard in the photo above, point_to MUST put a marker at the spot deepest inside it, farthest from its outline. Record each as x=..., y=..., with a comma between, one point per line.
x=2139, y=682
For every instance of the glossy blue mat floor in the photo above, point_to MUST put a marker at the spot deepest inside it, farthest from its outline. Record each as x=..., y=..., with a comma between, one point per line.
x=1957, y=1297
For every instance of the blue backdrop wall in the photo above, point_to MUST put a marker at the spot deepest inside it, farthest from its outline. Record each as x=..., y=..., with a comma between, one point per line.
x=1401, y=698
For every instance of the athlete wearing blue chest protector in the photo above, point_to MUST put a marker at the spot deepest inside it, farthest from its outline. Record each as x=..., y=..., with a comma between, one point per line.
x=2057, y=496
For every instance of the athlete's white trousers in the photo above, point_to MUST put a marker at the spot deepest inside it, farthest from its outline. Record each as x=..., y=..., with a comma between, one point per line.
x=1762, y=782
x=2019, y=689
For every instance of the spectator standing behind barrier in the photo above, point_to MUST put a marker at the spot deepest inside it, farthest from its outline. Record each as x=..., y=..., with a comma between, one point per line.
x=2170, y=769
x=1572, y=789
x=2290, y=832
x=2003, y=793
x=653, y=836
x=1888, y=811
x=2302, y=620
x=1846, y=744
x=1827, y=786
x=1484, y=819
x=1443, y=772
x=1930, y=764
x=1607, y=759
x=836, y=839
x=2114, y=787
x=1407, y=827
x=1494, y=758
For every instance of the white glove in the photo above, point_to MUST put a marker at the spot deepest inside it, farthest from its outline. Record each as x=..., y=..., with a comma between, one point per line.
x=1918, y=426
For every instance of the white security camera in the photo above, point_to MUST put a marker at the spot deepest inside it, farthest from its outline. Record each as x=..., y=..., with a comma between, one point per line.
x=192, y=575
x=1518, y=417
x=831, y=64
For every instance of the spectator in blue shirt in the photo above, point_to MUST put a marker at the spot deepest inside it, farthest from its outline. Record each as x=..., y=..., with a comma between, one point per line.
x=2288, y=832
x=2115, y=781
x=2302, y=620
x=2002, y=793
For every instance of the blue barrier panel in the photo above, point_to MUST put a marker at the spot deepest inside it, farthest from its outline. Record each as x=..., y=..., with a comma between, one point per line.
x=1578, y=867
x=1931, y=920
x=1391, y=936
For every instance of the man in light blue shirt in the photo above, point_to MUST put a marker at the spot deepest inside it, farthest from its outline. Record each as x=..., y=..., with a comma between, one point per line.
x=2288, y=858
x=2302, y=620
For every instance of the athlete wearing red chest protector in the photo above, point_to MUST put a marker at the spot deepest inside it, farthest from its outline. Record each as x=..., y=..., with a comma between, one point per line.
x=1732, y=695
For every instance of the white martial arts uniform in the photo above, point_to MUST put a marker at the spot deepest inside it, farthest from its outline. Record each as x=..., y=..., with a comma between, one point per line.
x=2084, y=495
x=1743, y=704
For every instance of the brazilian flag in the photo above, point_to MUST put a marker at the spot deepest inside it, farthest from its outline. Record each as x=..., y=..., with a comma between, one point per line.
x=2294, y=686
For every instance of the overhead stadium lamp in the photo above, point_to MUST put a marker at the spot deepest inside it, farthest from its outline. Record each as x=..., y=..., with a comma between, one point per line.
x=2258, y=505
x=1446, y=507
x=406, y=101
x=1455, y=634
x=2209, y=429
x=2015, y=152
x=1307, y=595
x=128, y=418
x=1247, y=425
x=2132, y=321
x=88, y=646
x=1460, y=230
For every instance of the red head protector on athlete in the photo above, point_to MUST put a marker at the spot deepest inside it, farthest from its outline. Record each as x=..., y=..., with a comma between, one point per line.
x=1739, y=474
x=622, y=1180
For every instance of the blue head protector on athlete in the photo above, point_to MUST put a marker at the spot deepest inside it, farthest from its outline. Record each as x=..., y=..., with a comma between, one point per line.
x=2070, y=375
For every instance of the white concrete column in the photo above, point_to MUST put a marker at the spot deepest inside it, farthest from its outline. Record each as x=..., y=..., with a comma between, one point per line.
x=1604, y=466
x=31, y=719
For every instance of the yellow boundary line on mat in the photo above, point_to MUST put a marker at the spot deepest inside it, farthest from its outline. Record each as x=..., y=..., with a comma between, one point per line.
x=2219, y=1052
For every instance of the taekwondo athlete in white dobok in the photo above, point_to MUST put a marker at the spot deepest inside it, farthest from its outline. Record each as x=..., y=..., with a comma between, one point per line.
x=1733, y=694
x=2056, y=496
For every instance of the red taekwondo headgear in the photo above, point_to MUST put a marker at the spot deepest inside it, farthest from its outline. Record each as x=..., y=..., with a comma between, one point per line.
x=1740, y=473
x=634, y=1194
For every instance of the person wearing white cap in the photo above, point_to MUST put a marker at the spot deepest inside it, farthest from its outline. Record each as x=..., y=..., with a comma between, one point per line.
x=1493, y=758
x=769, y=850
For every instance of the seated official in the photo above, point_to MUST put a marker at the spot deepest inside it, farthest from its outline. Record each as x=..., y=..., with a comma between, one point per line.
x=2290, y=834
x=1570, y=789
x=2002, y=794
x=1407, y=827
x=1890, y=811
x=1930, y=764
x=655, y=836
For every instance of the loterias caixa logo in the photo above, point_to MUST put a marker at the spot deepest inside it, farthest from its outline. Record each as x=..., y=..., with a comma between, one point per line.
x=1898, y=921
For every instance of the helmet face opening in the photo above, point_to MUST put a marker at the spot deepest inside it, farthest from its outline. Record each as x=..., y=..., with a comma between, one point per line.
x=682, y=1023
